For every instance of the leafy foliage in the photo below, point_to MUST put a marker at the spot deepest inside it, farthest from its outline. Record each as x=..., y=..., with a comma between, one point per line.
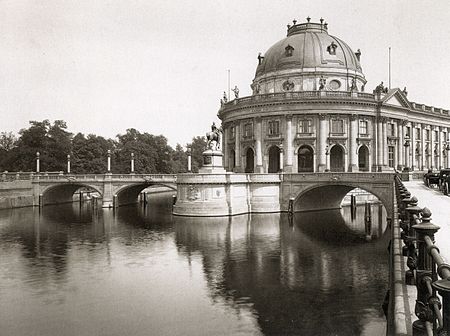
x=88, y=154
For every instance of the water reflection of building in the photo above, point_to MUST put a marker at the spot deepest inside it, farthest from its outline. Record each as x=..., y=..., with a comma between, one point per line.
x=296, y=279
x=309, y=112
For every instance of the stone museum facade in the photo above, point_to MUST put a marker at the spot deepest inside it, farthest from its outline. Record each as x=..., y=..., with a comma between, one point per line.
x=310, y=112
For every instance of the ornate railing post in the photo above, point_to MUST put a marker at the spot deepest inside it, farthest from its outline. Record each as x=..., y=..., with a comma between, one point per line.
x=408, y=235
x=424, y=275
x=443, y=287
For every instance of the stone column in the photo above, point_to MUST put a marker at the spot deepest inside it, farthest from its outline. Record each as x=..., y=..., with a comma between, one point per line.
x=322, y=144
x=189, y=152
x=400, y=143
x=440, y=148
x=225, y=150
x=385, y=145
x=380, y=149
x=237, y=147
x=258, y=135
x=374, y=152
x=422, y=143
x=353, y=145
x=288, y=145
x=413, y=147
x=447, y=164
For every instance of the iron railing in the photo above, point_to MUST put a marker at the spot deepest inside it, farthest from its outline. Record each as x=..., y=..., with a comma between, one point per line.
x=427, y=269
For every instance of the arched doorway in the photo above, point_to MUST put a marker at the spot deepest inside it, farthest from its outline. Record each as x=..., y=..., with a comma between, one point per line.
x=274, y=160
x=337, y=159
x=232, y=160
x=250, y=161
x=305, y=159
x=363, y=158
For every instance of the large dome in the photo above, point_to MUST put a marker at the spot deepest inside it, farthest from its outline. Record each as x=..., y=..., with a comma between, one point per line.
x=307, y=55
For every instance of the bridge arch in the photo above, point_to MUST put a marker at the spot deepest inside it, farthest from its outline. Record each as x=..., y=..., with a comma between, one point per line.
x=329, y=196
x=63, y=193
x=128, y=194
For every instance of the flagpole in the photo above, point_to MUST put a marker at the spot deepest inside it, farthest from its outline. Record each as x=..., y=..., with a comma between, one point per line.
x=389, y=68
x=229, y=92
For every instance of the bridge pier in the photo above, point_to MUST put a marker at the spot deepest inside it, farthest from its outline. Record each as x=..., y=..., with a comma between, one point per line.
x=108, y=194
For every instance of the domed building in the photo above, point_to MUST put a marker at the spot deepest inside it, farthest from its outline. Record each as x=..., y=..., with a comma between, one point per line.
x=309, y=112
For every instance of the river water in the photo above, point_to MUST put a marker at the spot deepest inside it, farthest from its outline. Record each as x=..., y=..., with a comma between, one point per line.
x=72, y=270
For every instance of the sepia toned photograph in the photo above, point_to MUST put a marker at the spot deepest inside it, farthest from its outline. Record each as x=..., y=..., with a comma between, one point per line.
x=190, y=168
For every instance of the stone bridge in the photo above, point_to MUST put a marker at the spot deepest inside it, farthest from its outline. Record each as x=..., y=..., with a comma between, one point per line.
x=221, y=194
x=54, y=189
x=232, y=194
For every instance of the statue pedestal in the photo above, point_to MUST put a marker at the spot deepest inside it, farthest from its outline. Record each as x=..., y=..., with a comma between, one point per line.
x=212, y=162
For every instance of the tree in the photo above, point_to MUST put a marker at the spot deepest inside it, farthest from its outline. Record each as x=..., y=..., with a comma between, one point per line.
x=90, y=154
x=8, y=141
x=59, y=145
x=152, y=154
x=198, y=146
x=179, y=160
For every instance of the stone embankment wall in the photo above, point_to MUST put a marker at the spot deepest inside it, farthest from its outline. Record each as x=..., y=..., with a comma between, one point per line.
x=16, y=194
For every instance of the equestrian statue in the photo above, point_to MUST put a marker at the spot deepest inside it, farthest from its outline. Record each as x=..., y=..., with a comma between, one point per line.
x=213, y=137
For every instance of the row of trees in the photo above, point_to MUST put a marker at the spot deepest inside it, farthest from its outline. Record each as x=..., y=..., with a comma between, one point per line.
x=88, y=153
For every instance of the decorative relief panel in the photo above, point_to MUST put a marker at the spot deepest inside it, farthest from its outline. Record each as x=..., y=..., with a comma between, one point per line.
x=193, y=193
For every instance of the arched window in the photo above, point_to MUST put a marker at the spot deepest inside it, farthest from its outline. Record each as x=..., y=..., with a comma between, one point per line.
x=337, y=159
x=363, y=158
x=250, y=161
x=305, y=159
x=274, y=160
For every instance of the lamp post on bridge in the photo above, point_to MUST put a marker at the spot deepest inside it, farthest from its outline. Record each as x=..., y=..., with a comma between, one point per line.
x=132, y=163
x=68, y=164
x=109, y=161
x=37, y=162
x=189, y=152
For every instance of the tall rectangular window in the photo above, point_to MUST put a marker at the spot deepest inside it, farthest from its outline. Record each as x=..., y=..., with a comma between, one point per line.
x=274, y=128
x=391, y=158
x=436, y=135
x=248, y=130
x=305, y=126
x=337, y=126
x=232, y=132
x=427, y=134
x=391, y=130
x=363, y=127
x=408, y=132
x=418, y=133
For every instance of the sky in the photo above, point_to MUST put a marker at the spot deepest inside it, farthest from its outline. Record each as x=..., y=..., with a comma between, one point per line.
x=161, y=67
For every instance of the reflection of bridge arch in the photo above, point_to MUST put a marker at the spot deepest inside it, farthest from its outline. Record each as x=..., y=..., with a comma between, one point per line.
x=63, y=193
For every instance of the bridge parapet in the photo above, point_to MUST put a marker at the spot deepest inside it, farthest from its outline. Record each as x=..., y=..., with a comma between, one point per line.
x=426, y=266
x=340, y=177
x=111, y=177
